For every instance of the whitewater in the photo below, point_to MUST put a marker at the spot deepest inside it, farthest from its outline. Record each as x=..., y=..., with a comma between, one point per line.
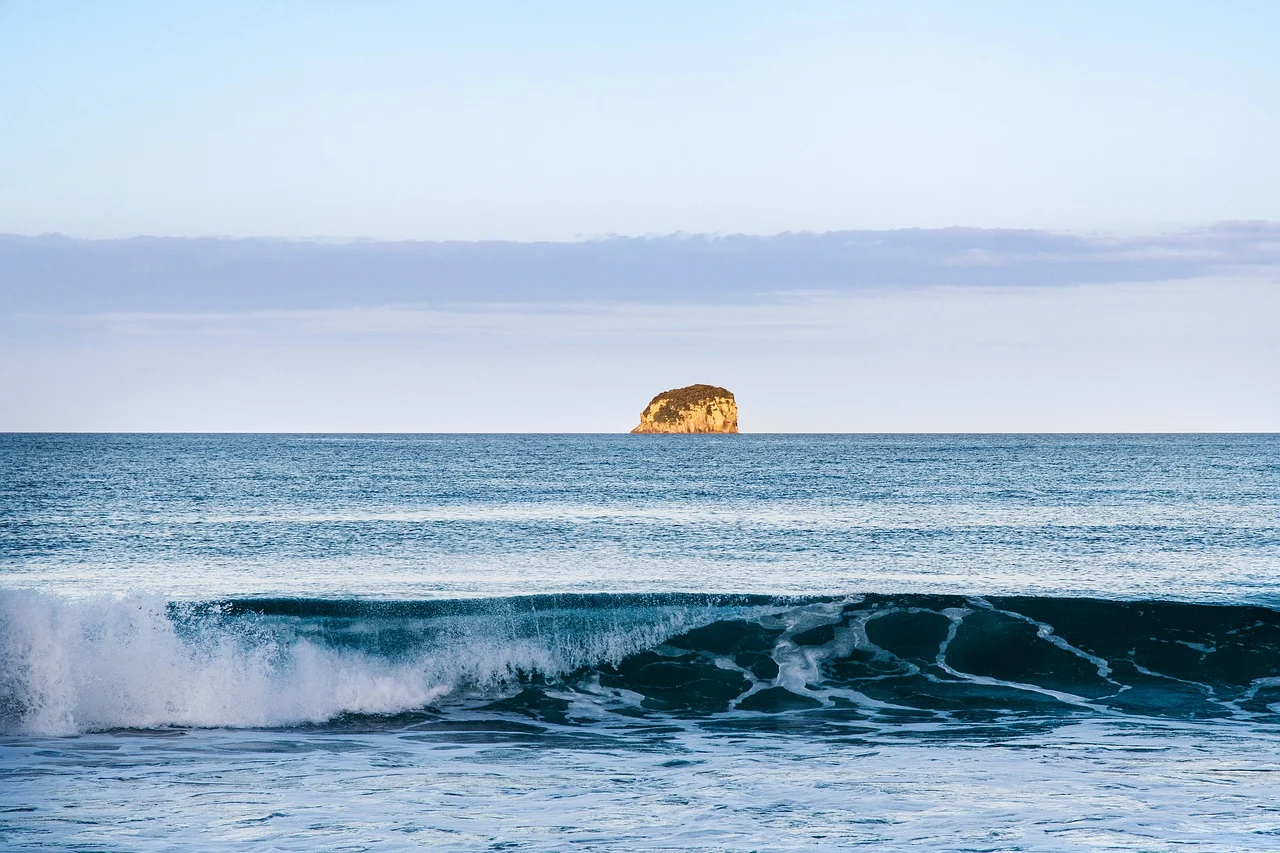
x=639, y=642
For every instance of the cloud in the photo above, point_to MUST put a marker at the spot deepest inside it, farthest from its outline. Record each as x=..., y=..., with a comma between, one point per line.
x=813, y=318
x=60, y=275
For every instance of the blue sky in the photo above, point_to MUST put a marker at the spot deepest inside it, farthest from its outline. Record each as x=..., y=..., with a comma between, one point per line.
x=554, y=121
x=859, y=217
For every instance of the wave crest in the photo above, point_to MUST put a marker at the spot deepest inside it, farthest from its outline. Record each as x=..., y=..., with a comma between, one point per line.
x=74, y=665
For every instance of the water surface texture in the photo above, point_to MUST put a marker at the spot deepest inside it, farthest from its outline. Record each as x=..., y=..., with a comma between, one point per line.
x=622, y=642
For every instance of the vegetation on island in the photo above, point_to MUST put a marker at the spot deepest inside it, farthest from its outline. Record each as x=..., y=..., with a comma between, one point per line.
x=680, y=401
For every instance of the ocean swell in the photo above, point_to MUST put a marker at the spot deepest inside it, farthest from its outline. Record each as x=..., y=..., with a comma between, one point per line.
x=76, y=665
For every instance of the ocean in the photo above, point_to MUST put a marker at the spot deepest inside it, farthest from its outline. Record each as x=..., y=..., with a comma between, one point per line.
x=598, y=642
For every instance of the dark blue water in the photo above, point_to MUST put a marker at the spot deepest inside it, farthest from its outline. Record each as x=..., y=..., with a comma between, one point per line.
x=737, y=642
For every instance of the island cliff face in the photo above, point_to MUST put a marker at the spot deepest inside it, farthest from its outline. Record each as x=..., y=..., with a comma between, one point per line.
x=694, y=409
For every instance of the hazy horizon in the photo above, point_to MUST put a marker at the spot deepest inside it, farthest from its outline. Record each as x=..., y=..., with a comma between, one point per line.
x=914, y=330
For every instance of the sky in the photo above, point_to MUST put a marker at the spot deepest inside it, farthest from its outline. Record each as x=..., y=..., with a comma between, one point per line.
x=530, y=121
x=857, y=216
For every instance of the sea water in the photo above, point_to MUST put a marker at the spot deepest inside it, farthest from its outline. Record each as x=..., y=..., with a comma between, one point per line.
x=639, y=642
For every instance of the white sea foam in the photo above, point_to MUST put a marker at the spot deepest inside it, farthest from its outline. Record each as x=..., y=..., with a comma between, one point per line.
x=1084, y=787
x=104, y=663
x=91, y=664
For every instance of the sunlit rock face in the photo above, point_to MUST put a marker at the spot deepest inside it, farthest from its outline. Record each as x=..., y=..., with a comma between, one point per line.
x=693, y=409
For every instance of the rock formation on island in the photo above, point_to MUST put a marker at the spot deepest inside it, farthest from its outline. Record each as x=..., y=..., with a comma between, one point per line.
x=696, y=408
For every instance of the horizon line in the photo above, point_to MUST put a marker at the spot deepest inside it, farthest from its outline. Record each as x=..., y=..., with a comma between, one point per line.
x=676, y=435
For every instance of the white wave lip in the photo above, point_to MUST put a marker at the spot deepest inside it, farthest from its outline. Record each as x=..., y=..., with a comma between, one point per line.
x=74, y=665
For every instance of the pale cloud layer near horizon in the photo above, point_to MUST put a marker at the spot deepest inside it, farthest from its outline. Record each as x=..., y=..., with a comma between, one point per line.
x=957, y=330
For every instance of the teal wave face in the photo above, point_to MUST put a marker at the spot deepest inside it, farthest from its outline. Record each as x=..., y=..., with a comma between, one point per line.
x=507, y=606
x=944, y=658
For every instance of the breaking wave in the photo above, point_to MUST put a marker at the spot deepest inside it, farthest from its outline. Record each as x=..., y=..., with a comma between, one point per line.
x=75, y=665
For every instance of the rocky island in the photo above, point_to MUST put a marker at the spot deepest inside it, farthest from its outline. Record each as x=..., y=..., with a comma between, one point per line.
x=693, y=409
